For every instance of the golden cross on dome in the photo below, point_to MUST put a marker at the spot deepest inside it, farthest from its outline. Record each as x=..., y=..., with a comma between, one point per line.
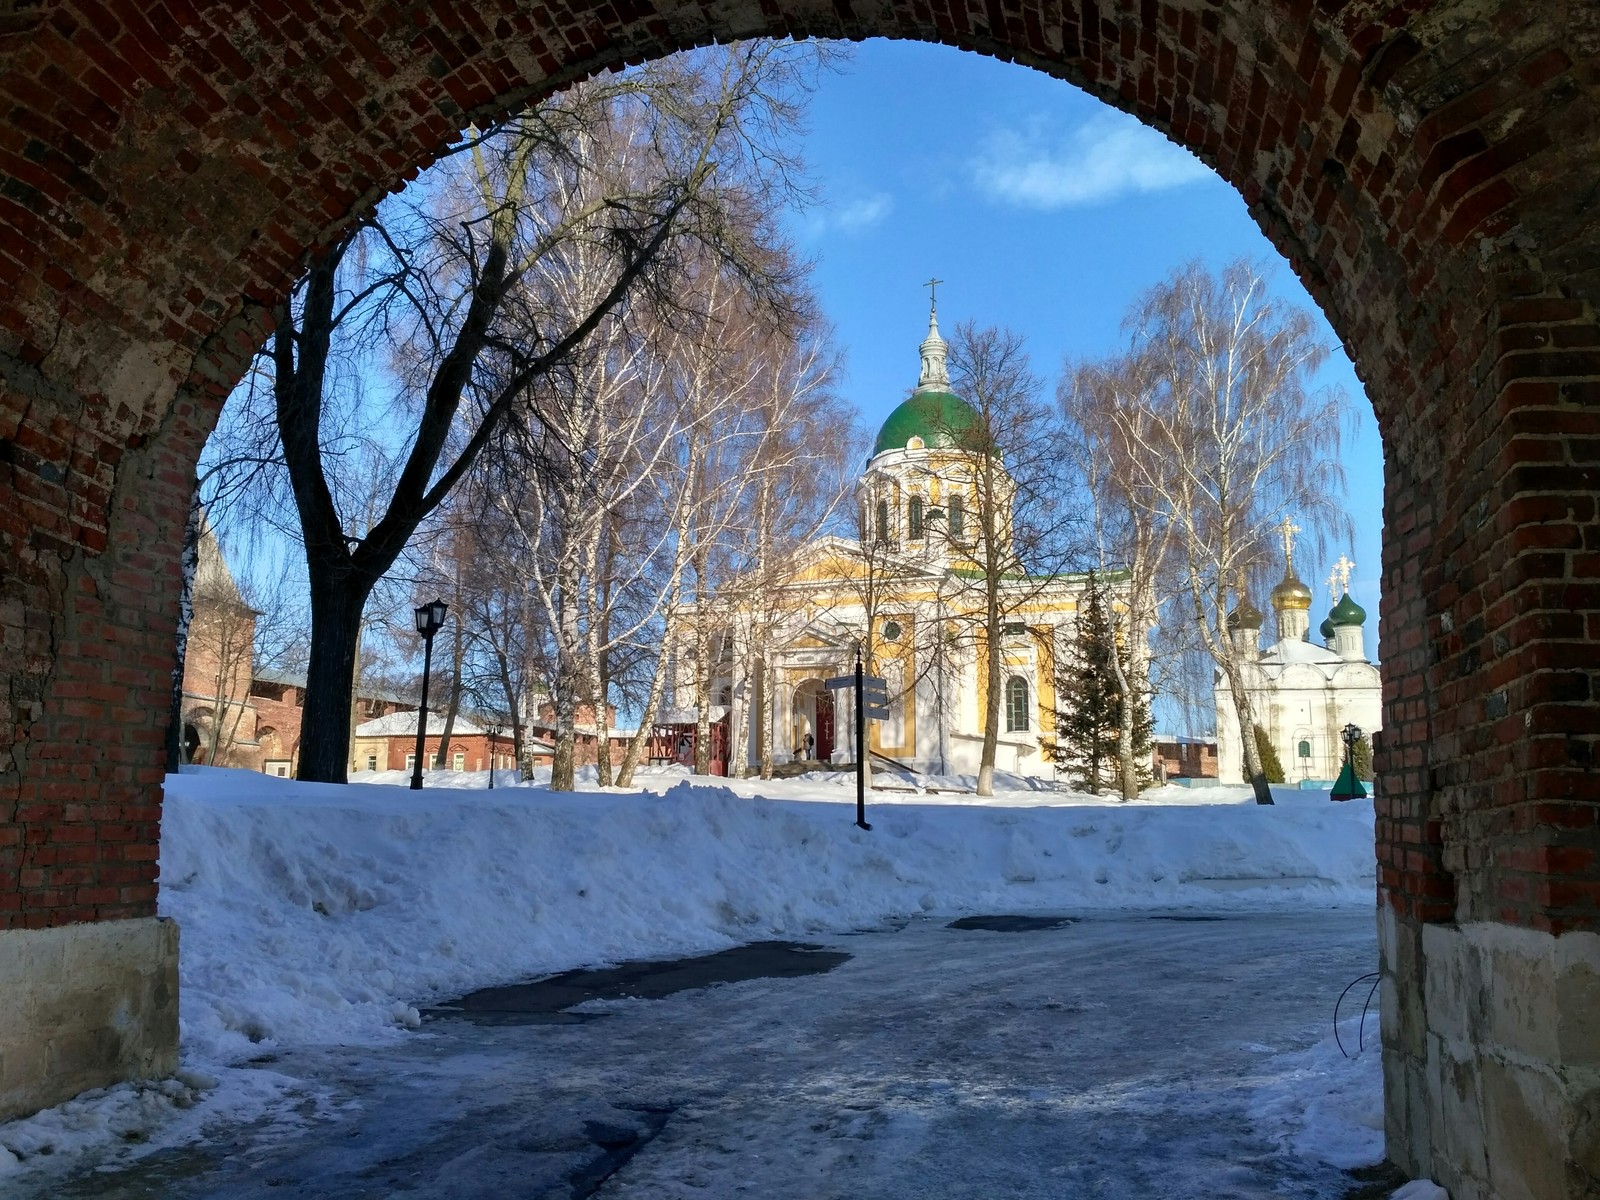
x=1342, y=569
x=1289, y=529
x=933, y=291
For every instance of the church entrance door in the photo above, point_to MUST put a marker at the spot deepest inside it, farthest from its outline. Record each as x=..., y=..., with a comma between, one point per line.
x=825, y=725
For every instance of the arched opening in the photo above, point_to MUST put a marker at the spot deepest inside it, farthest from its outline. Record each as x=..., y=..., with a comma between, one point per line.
x=1423, y=174
x=812, y=722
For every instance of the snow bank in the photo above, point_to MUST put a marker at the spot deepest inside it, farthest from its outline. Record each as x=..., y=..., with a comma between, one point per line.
x=324, y=914
x=319, y=913
x=1420, y=1189
x=1326, y=1103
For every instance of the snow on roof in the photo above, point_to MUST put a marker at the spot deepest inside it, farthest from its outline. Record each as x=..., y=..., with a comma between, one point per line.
x=403, y=724
x=688, y=716
x=298, y=679
x=1293, y=651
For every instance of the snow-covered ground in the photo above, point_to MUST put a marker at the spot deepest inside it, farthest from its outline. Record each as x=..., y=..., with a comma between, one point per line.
x=320, y=914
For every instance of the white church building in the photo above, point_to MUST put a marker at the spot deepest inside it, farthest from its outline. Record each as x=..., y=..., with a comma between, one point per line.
x=1302, y=693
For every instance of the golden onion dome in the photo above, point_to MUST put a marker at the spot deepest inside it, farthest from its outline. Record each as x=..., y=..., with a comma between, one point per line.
x=1291, y=593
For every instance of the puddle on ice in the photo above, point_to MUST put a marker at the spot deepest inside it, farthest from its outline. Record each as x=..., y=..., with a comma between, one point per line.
x=547, y=1001
x=1012, y=923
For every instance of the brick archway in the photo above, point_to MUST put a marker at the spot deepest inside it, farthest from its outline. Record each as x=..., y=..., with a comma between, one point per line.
x=1430, y=169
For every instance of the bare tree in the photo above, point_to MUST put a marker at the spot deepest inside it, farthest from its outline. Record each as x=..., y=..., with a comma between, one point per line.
x=438, y=289
x=1017, y=543
x=1225, y=437
x=1099, y=404
x=786, y=488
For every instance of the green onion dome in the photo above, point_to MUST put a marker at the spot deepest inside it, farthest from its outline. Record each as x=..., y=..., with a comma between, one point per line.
x=938, y=418
x=1326, y=630
x=1347, y=612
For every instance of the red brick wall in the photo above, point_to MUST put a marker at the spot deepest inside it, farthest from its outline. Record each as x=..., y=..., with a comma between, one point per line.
x=1426, y=167
x=280, y=713
x=475, y=746
x=1192, y=760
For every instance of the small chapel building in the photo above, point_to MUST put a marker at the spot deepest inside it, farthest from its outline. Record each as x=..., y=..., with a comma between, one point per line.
x=910, y=573
x=1302, y=694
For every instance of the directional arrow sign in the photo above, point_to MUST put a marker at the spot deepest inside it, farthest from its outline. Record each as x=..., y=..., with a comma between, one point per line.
x=875, y=681
x=875, y=712
x=839, y=682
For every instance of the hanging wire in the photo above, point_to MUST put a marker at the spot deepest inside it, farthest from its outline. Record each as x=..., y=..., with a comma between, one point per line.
x=1361, y=1029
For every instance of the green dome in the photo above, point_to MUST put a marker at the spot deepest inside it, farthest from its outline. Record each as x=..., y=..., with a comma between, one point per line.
x=1326, y=629
x=1347, y=612
x=931, y=416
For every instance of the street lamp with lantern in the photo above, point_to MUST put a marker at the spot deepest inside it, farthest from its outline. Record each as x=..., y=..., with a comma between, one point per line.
x=430, y=619
x=493, y=729
x=1347, y=786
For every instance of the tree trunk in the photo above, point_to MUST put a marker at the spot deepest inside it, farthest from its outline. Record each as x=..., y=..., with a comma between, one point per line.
x=337, y=601
x=991, y=715
x=1128, y=770
x=513, y=709
x=764, y=732
x=647, y=715
x=738, y=710
x=190, y=560
x=563, y=772
x=703, y=672
x=355, y=696
x=1247, y=734
x=442, y=759
x=602, y=727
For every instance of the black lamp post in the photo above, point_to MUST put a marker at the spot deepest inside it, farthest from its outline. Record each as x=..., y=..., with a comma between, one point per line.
x=1347, y=786
x=493, y=729
x=430, y=619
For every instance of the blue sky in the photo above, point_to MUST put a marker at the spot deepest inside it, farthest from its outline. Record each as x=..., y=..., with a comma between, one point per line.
x=1042, y=209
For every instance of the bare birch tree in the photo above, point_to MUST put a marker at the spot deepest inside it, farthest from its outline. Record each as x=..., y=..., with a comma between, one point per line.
x=1099, y=404
x=1226, y=435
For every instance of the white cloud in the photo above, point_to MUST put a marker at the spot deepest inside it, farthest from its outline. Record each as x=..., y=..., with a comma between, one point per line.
x=1110, y=156
x=863, y=213
x=853, y=216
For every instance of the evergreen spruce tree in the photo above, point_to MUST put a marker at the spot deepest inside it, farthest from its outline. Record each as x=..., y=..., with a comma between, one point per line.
x=1361, y=757
x=1089, y=702
x=1271, y=767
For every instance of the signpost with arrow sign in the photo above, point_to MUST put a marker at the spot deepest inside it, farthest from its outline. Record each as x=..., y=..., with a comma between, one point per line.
x=872, y=704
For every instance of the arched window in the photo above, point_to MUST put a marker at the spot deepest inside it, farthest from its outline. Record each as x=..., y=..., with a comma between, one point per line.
x=1305, y=749
x=914, y=518
x=883, y=520
x=1016, y=705
x=958, y=515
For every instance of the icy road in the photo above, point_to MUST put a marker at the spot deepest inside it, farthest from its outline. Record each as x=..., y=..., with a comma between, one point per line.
x=1128, y=1056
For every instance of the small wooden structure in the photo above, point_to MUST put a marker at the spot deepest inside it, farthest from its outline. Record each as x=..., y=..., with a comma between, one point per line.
x=674, y=735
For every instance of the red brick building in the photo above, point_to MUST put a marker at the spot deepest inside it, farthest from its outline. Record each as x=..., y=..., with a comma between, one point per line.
x=236, y=714
x=389, y=743
x=1185, y=758
x=585, y=735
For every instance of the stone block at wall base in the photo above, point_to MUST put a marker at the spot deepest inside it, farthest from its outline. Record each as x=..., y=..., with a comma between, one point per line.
x=1502, y=1100
x=85, y=1006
